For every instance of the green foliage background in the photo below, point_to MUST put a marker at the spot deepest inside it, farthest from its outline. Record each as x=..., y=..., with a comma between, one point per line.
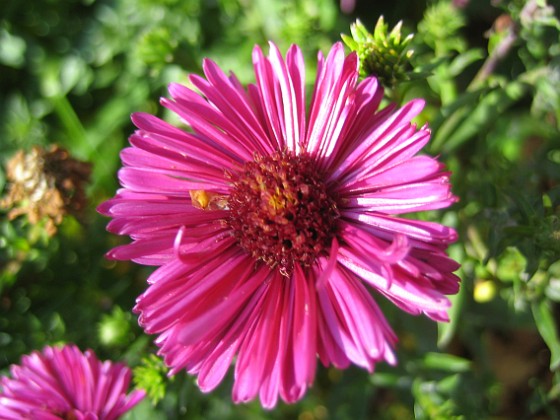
x=71, y=73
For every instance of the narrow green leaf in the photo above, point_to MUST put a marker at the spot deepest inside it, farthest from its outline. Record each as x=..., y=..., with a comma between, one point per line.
x=446, y=362
x=464, y=60
x=490, y=107
x=446, y=330
x=548, y=330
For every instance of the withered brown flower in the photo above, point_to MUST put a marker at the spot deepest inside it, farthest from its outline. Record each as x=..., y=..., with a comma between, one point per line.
x=45, y=184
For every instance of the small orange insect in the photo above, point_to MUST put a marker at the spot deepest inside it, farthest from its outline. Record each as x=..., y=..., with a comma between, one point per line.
x=206, y=200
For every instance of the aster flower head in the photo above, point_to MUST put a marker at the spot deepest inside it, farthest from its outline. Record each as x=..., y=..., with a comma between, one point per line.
x=64, y=383
x=276, y=226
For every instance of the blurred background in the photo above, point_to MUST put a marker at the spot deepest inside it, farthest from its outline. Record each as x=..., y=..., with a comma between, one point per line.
x=72, y=72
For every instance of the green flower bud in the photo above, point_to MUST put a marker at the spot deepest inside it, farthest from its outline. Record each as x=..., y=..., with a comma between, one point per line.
x=156, y=48
x=151, y=376
x=383, y=54
x=114, y=328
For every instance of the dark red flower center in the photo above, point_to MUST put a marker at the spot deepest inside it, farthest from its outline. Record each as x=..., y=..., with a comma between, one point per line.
x=281, y=212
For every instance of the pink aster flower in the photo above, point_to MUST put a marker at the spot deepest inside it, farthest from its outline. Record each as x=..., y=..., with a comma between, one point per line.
x=64, y=383
x=272, y=223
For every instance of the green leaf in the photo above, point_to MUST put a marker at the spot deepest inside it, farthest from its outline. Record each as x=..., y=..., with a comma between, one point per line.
x=479, y=119
x=462, y=61
x=446, y=330
x=12, y=49
x=548, y=330
x=445, y=362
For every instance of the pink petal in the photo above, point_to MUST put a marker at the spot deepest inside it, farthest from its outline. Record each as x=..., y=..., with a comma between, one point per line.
x=379, y=136
x=403, y=291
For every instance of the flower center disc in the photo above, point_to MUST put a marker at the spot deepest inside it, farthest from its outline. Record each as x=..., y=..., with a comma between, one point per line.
x=281, y=212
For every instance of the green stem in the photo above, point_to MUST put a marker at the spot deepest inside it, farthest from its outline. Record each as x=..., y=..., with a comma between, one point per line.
x=70, y=120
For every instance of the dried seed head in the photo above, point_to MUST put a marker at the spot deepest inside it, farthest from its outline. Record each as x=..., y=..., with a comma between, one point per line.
x=45, y=184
